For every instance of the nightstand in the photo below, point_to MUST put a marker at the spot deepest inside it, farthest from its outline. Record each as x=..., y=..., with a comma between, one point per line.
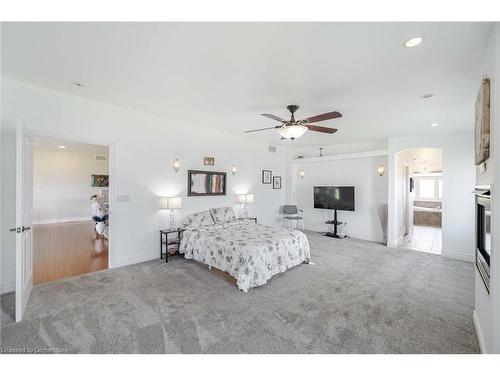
x=248, y=218
x=164, y=234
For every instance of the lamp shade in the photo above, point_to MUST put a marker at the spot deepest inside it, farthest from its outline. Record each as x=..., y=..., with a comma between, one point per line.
x=164, y=203
x=170, y=203
x=292, y=131
x=175, y=203
x=244, y=198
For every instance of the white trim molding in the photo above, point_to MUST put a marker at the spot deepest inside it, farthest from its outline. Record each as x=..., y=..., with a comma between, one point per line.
x=135, y=259
x=7, y=287
x=479, y=333
x=62, y=220
x=354, y=155
x=458, y=256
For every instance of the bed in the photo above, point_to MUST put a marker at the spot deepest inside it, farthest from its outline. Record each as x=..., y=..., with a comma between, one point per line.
x=250, y=253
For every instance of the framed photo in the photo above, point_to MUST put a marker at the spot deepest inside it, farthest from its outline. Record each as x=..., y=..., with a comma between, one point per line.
x=208, y=160
x=266, y=176
x=206, y=183
x=277, y=182
x=99, y=180
x=482, y=123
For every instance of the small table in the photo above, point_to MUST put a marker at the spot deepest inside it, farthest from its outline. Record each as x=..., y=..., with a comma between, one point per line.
x=175, y=241
x=248, y=218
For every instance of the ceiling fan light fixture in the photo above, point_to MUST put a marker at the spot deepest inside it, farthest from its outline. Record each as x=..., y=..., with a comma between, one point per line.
x=292, y=131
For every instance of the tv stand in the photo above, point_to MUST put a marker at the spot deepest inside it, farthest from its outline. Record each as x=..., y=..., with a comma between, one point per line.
x=335, y=223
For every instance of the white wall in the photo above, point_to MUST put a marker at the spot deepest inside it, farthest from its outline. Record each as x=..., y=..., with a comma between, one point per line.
x=402, y=159
x=483, y=314
x=458, y=183
x=370, y=192
x=62, y=184
x=487, y=307
x=313, y=151
x=143, y=148
x=495, y=258
x=3, y=230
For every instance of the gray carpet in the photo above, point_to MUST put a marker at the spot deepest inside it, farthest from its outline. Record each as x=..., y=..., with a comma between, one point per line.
x=359, y=297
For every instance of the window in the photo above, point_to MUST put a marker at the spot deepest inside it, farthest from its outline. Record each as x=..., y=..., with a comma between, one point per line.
x=426, y=188
x=429, y=187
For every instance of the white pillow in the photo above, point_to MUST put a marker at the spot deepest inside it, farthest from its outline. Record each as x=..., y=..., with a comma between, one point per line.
x=198, y=219
x=222, y=215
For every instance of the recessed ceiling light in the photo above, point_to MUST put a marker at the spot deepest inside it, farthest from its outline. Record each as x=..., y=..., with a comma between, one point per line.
x=77, y=84
x=427, y=95
x=413, y=41
x=62, y=147
x=433, y=124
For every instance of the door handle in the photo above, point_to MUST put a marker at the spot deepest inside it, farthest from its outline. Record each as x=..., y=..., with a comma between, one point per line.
x=19, y=229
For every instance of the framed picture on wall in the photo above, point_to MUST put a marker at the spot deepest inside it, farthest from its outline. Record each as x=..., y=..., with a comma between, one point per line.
x=482, y=123
x=99, y=180
x=266, y=176
x=208, y=160
x=206, y=183
x=277, y=182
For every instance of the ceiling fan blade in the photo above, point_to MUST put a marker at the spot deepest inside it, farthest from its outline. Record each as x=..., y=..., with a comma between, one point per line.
x=321, y=129
x=273, y=117
x=324, y=116
x=258, y=130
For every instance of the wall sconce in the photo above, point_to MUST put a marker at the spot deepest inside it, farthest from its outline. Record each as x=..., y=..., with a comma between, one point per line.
x=234, y=169
x=380, y=170
x=302, y=173
x=176, y=165
x=171, y=204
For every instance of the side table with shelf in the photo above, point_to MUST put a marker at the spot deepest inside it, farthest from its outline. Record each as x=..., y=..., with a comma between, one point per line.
x=164, y=240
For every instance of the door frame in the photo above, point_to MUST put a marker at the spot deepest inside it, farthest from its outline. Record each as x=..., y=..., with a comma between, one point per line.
x=111, y=172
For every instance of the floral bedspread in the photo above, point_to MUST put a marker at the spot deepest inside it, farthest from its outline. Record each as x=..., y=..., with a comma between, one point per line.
x=251, y=253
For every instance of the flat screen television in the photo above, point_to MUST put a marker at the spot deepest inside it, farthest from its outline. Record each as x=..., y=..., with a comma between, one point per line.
x=334, y=197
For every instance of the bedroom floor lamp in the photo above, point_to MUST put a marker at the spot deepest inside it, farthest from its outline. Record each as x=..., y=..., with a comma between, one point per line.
x=171, y=204
x=244, y=199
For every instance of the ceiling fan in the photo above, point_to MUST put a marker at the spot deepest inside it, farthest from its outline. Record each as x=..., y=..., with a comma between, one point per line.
x=293, y=129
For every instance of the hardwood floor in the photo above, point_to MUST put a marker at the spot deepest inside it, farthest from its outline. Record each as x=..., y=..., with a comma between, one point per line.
x=66, y=249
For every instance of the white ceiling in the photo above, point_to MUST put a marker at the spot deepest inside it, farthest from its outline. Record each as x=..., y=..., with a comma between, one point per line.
x=46, y=143
x=223, y=75
x=423, y=159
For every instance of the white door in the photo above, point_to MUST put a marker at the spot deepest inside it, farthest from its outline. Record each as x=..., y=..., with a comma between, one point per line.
x=24, y=220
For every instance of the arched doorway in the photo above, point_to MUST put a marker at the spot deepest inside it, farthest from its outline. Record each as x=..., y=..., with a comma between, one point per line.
x=418, y=199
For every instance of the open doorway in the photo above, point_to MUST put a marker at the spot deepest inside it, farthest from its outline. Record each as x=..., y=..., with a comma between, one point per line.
x=70, y=208
x=420, y=208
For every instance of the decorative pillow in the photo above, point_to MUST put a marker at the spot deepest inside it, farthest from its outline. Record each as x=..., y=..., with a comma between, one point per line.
x=222, y=215
x=198, y=219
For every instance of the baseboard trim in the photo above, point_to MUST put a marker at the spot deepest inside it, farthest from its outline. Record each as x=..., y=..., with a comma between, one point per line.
x=62, y=220
x=392, y=244
x=479, y=333
x=356, y=236
x=364, y=237
x=7, y=287
x=400, y=240
x=458, y=256
x=135, y=259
